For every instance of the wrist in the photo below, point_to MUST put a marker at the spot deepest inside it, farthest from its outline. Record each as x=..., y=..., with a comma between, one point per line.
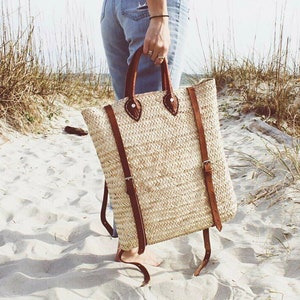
x=159, y=19
x=157, y=7
x=159, y=16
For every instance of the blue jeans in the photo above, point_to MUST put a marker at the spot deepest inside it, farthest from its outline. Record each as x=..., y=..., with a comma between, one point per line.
x=124, y=24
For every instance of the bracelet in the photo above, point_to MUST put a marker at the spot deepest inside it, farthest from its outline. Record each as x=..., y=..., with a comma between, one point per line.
x=159, y=16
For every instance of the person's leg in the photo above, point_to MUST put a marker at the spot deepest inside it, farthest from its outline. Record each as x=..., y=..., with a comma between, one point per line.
x=124, y=25
x=133, y=16
x=117, y=53
x=115, y=46
x=179, y=26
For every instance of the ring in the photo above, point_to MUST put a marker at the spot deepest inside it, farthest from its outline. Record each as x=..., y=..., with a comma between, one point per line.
x=160, y=57
x=150, y=52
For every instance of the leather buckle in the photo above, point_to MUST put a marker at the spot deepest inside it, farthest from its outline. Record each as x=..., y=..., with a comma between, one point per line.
x=205, y=162
x=206, y=165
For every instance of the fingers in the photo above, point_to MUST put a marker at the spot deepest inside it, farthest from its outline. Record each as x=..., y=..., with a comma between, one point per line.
x=157, y=41
x=156, y=55
x=159, y=59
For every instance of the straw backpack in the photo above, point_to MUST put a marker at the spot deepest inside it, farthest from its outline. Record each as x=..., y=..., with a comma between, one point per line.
x=164, y=163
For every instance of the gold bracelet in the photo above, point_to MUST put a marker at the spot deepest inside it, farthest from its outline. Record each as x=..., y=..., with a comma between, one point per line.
x=159, y=16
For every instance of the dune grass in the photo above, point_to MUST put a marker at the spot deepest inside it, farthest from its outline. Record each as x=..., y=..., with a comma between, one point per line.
x=29, y=89
x=269, y=89
x=268, y=86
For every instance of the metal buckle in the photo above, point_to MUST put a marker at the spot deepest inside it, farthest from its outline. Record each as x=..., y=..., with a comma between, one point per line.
x=205, y=162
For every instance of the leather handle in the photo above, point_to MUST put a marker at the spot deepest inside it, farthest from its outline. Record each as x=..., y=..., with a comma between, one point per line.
x=133, y=106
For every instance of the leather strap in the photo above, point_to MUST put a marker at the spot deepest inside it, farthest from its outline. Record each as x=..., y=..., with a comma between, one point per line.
x=137, y=214
x=140, y=266
x=132, y=74
x=103, y=211
x=207, y=170
x=207, y=252
x=133, y=106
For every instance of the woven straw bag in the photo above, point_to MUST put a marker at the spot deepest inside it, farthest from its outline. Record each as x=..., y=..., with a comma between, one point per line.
x=163, y=161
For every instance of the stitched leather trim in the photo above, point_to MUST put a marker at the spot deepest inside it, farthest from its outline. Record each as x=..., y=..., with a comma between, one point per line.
x=134, y=108
x=171, y=103
x=205, y=159
x=131, y=191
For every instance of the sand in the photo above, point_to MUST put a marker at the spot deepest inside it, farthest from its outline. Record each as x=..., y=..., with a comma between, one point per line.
x=53, y=246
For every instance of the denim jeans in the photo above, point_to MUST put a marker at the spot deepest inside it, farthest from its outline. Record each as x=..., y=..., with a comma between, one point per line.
x=124, y=24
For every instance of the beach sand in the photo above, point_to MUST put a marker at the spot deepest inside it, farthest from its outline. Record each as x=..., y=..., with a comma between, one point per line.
x=53, y=246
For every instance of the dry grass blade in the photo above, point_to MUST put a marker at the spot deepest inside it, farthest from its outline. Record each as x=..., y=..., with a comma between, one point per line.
x=289, y=159
x=269, y=86
x=28, y=86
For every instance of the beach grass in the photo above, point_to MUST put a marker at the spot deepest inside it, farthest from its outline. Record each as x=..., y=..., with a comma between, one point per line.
x=270, y=89
x=30, y=88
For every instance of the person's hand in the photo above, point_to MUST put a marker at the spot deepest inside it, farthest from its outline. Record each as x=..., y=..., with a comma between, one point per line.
x=157, y=40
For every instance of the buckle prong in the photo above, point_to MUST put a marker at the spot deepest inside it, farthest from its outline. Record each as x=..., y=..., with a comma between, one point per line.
x=205, y=162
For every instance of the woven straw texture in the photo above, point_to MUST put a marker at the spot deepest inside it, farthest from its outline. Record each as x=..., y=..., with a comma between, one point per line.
x=164, y=156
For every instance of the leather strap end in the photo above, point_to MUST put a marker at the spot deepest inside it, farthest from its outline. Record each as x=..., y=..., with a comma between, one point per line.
x=207, y=252
x=103, y=212
x=133, y=107
x=138, y=265
x=218, y=224
x=203, y=263
x=171, y=103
